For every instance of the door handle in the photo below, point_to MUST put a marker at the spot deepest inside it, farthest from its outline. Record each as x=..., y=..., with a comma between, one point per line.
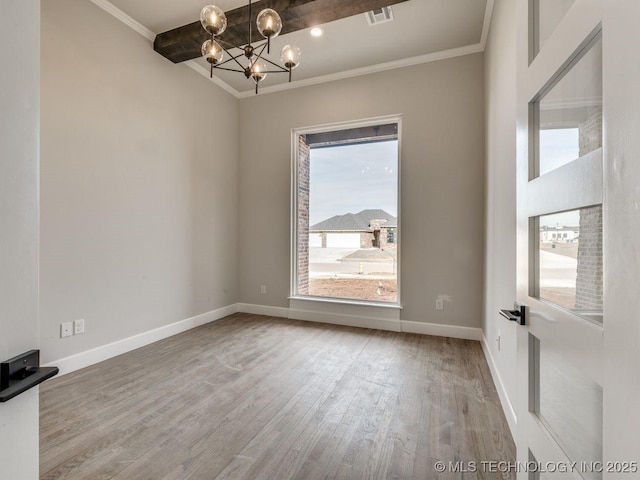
x=518, y=314
x=20, y=373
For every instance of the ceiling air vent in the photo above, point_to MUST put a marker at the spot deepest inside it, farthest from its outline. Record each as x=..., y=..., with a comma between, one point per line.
x=379, y=15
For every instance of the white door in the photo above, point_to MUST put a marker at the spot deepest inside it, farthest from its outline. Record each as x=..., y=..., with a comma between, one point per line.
x=19, y=111
x=560, y=191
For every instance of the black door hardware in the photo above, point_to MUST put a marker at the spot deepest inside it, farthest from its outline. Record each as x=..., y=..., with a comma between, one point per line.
x=20, y=373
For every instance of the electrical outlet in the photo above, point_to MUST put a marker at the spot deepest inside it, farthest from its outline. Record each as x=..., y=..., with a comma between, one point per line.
x=263, y=289
x=66, y=329
x=439, y=304
x=78, y=326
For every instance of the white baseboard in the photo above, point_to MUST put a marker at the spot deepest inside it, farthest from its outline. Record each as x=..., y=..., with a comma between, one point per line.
x=440, y=330
x=346, y=320
x=505, y=400
x=84, y=359
x=263, y=310
x=453, y=331
x=320, y=317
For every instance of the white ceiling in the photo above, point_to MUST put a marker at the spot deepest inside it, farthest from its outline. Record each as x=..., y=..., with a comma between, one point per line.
x=422, y=30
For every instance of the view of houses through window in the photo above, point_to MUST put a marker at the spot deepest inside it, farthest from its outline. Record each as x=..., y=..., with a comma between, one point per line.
x=347, y=225
x=570, y=266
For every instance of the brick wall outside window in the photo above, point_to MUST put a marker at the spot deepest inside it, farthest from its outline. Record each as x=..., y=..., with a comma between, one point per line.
x=589, y=275
x=303, y=216
x=589, y=278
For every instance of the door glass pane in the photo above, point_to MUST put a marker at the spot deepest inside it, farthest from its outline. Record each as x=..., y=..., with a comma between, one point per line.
x=535, y=469
x=570, y=405
x=569, y=115
x=547, y=15
x=570, y=261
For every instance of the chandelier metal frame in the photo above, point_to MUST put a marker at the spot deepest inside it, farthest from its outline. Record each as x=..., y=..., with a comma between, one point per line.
x=258, y=65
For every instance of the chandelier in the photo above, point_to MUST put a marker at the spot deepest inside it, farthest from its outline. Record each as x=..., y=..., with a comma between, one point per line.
x=251, y=59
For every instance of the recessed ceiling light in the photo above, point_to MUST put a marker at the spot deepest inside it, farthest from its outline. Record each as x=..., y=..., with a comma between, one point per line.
x=316, y=32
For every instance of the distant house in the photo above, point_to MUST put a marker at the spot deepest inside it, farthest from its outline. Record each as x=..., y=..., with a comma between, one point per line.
x=559, y=234
x=365, y=229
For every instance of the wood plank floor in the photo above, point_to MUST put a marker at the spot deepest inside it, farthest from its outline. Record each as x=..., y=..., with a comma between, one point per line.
x=254, y=397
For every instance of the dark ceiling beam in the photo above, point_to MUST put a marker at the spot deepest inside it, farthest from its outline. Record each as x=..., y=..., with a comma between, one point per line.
x=184, y=43
x=375, y=133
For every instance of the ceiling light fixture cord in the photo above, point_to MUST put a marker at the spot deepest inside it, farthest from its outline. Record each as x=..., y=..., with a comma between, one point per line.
x=269, y=24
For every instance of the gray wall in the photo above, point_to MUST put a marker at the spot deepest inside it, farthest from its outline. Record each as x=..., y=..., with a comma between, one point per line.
x=500, y=202
x=139, y=210
x=19, y=112
x=442, y=104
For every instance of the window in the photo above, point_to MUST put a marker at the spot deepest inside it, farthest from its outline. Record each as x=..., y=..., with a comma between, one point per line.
x=568, y=116
x=567, y=131
x=569, y=261
x=569, y=404
x=346, y=236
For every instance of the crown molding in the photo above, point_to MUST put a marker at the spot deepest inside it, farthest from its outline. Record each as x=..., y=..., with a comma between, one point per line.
x=381, y=67
x=110, y=8
x=486, y=24
x=132, y=23
x=124, y=18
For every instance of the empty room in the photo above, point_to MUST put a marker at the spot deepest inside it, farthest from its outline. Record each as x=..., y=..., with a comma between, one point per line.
x=319, y=239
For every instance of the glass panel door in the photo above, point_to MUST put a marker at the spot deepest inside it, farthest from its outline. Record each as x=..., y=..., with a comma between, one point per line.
x=560, y=227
